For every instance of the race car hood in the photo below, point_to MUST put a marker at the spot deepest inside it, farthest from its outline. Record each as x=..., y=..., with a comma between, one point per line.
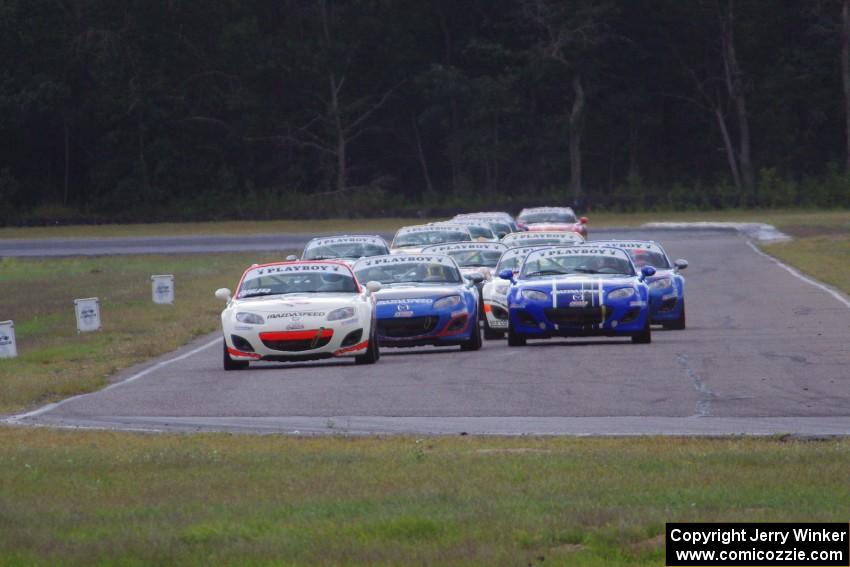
x=296, y=302
x=417, y=291
x=407, y=250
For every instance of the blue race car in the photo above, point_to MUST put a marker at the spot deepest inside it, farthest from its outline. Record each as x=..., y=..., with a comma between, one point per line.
x=578, y=291
x=424, y=300
x=666, y=287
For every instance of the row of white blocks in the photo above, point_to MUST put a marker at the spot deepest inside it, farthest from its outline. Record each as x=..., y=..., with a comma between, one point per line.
x=88, y=313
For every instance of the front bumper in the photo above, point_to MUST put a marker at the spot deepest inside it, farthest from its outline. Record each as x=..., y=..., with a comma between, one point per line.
x=310, y=344
x=537, y=320
x=429, y=328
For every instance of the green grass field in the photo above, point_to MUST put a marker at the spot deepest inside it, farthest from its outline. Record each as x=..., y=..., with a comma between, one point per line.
x=87, y=498
x=55, y=361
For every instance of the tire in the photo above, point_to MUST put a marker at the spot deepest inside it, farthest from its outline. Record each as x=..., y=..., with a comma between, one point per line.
x=514, y=339
x=230, y=364
x=492, y=335
x=373, y=352
x=474, y=342
x=678, y=324
x=644, y=337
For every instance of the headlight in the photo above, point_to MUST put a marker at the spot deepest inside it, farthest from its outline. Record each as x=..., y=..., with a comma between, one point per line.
x=534, y=295
x=250, y=318
x=501, y=287
x=622, y=293
x=663, y=283
x=341, y=313
x=447, y=302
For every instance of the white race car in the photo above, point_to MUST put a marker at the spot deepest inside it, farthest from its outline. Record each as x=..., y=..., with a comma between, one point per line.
x=303, y=310
x=525, y=239
x=552, y=218
x=480, y=229
x=348, y=248
x=495, y=291
x=471, y=257
x=411, y=239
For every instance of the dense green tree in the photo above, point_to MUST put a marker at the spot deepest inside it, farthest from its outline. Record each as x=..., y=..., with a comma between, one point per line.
x=140, y=110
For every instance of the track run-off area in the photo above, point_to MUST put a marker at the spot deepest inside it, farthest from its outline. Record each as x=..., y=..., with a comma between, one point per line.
x=766, y=352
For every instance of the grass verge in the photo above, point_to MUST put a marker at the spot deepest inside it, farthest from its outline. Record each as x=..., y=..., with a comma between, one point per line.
x=113, y=498
x=55, y=361
x=789, y=220
x=351, y=226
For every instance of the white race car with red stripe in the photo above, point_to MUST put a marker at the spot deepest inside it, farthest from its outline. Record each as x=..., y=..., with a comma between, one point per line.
x=303, y=310
x=552, y=218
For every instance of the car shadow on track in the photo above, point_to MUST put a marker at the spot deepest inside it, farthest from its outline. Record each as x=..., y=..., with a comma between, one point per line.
x=386, y=352
x=297, y=365
x=577, y=343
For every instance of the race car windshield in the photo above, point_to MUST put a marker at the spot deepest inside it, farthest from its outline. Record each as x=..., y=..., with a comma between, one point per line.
x=297, y=282
x=643, y=258
x=476, y=258
x=481, y=232
x=410, y=272
x=548, y=216
x=344, y=250
x=500, y=228
x=427, y=238
x=576, y=264
x=508, y=264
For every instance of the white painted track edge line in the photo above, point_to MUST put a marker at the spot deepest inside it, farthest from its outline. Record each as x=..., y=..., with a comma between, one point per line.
x=48, y=407
x=797, y=274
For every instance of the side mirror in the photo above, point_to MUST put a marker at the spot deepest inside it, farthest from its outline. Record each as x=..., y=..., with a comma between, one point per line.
x=507, y=274
x=475, y=277
x=291, y=258
x=646, y=272
x=680, y=264
x=373, y=286
x=223, y=294
x=582, y=220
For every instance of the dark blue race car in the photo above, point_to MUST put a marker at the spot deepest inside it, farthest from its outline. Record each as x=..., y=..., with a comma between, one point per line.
x=666, y=287
x=578, y=291
x=424, y=300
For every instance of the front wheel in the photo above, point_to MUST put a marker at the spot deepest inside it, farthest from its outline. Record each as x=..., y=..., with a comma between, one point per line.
x=514, y=339
x=230, y=364
x=678, y=324
x=645, y=336
x=373, y=352
x=474, y=342
x=492, y=335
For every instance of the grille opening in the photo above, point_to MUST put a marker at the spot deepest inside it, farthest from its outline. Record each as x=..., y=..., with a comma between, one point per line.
x=407, y=326
x=241, y=343
x=297, y=341
x=498, y=312
x=575, y=315
x=667, y=305
x=525, y=318
x=352, y=338
x=457, y=324
x=631, y=315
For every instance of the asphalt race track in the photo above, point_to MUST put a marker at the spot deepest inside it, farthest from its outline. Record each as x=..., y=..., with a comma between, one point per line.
x=764, y=353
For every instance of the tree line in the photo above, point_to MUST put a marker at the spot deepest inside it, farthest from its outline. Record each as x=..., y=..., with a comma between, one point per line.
x=200, y=109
